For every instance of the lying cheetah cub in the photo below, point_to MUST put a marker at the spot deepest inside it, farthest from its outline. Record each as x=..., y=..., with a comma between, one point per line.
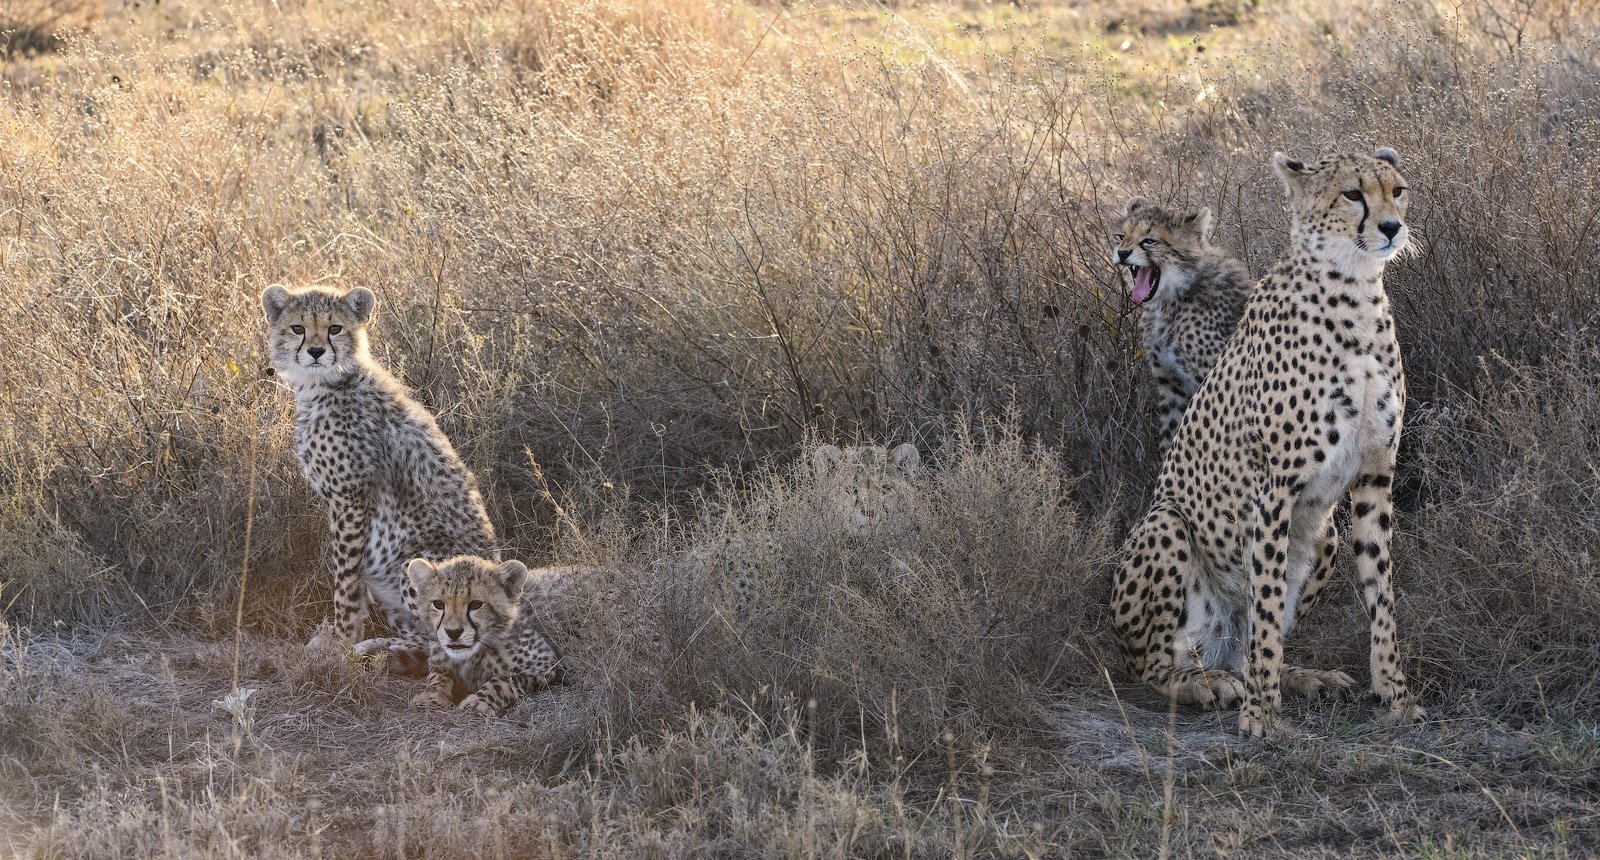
x=1192, y=292
x=394, y=486
x=485, y=650
x=1304, y=405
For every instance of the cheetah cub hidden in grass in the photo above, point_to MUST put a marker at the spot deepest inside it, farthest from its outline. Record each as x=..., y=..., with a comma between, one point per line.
x=1304, y=405
x=486, y=651
x=394, y=487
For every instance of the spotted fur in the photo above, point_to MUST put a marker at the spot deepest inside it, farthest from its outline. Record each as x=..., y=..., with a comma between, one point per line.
x=485, y=649
x=1304, y=405
x=860, y=485
x=1199, y=293
x=394, y=487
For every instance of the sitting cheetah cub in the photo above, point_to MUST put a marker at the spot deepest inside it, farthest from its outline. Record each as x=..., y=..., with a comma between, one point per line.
x=485, y=651
x=1304, y=405
x=394, y=486
x=1192, y=292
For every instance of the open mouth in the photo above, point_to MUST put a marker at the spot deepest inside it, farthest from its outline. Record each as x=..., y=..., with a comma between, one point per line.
x=1145, y=281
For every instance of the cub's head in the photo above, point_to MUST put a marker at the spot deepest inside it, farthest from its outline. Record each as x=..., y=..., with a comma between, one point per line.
x=467, y=600
x=1351, y=207
x=1161, y=247
x=316, y=334
x=864, y=482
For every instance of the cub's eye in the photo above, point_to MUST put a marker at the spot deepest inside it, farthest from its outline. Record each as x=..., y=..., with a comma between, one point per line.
x=1399, y=191
x=298, y=329
x=1353, y=195
x=474, y=606
x=438, y=604
x=1117, y=237
x=335, y=329
x=1148, y=241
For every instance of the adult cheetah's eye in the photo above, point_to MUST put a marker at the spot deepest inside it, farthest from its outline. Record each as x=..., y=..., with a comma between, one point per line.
x=1353, y=195
x=298, y=329
x=474, y=606
x=438, y=604
x=1148, y=241
x=335, y=329
x=1399, y=191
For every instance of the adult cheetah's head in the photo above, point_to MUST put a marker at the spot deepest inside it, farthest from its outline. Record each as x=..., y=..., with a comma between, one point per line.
x=1350, y=207
x=316, y=334
x=864, y=482
x=1161, y=247
x=467, y=600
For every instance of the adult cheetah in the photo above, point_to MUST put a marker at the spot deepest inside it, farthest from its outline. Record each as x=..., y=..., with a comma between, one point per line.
x=394, y=487
x=1304, y=405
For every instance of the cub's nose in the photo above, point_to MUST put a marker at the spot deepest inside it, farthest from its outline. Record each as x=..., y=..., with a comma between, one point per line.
x=453, y=632
x=1123, y=254
x=317, y=351
x=1389, y=228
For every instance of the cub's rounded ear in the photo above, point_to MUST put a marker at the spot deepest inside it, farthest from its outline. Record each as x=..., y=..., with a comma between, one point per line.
x=1135, y=204
x=419, y=572
x=361, y=301
x=1199, y=223
x=905, y=459
x=1384, y=153
x=825, y=459
x=513, y=575
x=273, y=300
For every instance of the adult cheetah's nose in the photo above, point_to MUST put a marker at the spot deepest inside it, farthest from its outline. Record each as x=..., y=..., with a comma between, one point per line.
x=1389, y=228
x=316, y=352
x=1123, y=254
x=453, y=632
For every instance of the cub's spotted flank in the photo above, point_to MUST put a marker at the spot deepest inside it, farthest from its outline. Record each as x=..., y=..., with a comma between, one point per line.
x=394, y=487
x=485, y=650
x=1304, y=405
x=1192, y=295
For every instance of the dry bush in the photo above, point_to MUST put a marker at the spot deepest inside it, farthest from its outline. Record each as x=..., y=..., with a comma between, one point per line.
x=35, y=26
x=661, y=248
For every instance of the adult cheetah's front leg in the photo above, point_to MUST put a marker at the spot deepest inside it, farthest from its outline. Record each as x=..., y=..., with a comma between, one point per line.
x=1271, y=534
x=1372, y=518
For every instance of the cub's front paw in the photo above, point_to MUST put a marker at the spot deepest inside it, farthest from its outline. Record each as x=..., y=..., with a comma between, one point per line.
x=476, y=704
x=430, y=699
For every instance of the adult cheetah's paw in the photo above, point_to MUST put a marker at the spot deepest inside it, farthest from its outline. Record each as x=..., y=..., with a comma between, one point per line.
x=476, y=704
x=1255, y=723
x=1211, y=690
x=1404, y=711
x=1316, y=684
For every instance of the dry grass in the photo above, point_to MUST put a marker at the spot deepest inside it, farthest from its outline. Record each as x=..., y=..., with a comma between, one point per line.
x=662, y=247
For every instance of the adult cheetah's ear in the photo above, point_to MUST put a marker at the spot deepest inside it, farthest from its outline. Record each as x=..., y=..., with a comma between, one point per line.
x=1137, y=203
x=419, y=572
x=1199, y=223
x=1288, y=168
x=826, y=459
x=513, y=575
x=906, y=459
x=361, y=301
x=273, y=300
x=1384, y=153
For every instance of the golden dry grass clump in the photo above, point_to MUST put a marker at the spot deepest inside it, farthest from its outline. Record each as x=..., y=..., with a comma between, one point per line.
x=662, y=248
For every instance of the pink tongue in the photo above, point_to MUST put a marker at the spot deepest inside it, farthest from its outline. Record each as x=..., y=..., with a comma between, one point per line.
x=1141, y=283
